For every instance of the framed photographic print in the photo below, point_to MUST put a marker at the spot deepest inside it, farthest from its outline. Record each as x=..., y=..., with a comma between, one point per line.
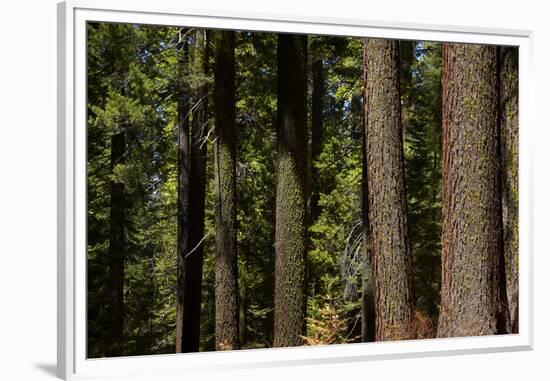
x=248, y=190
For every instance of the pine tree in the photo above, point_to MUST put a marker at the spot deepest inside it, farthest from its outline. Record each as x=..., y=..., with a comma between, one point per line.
x=193, y=257
x=256, y=112
x=178, y=236
x=290, y=225
x=421, y=105
x=226, y=291
x=392, y=262
x=472, y=300
x=406, y=59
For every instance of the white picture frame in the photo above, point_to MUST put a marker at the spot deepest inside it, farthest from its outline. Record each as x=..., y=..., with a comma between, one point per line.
x=72, y=18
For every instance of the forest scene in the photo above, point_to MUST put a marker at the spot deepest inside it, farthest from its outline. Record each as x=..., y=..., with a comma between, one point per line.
x=252, y=190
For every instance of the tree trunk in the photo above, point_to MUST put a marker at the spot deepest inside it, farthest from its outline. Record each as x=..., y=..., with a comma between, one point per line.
x=317, y=96
x=183, y=190
x=227, y=293
x=193, y=261
x=471, y=300
x=115, y=294
x=406, y=55
x=290, y=224
x=509, y=124
x=392, y=262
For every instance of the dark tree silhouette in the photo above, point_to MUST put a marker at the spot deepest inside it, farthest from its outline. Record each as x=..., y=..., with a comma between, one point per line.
x=227, y=293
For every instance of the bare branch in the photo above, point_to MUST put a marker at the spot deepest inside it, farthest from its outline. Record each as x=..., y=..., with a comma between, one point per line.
x=198, y=244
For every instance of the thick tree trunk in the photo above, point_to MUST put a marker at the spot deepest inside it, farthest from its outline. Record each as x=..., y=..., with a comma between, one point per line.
x=392, y=262
x=115, y=287
x=509, y=124
x=227, y=293
x=290, y=225
x=471, y=296
x=183, y=109
x=317, y=96
x=193, y=260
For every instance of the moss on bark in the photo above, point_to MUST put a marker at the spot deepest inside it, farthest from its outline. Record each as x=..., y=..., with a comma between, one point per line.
x=387, y=208
x=509, y=148
x=226, y=288
x=472, y=301
x=290, y=225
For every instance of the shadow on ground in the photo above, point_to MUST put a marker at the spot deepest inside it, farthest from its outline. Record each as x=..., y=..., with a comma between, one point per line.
x=50, y=369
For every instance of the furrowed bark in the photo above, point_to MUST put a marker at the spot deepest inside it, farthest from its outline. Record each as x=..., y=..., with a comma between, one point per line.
x=387, y=208
x=509, y=148
x=290, y=225
x=472, y=303
x=226, y=289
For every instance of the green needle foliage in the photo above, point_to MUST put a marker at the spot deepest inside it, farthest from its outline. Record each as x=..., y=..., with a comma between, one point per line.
x=133, y=77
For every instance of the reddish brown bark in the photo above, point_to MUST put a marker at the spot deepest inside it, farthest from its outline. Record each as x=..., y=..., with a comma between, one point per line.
x=387, y=208
x=472, y=300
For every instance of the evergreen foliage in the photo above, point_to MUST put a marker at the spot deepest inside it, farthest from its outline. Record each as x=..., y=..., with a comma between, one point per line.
x=133, y=76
